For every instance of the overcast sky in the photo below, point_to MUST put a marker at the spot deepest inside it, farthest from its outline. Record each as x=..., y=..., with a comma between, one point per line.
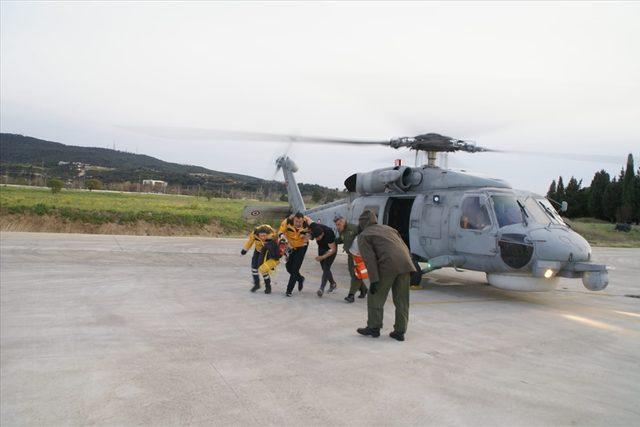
x=556, y=77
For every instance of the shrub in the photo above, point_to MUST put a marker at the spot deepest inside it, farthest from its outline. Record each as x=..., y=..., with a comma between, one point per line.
x=93, y=184
x=40, y=209
x=55, y=185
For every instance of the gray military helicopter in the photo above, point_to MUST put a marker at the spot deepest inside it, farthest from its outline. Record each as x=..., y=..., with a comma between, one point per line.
x=447, y=218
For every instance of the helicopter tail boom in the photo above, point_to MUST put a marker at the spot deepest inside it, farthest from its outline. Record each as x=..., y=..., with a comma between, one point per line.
x=288, y=167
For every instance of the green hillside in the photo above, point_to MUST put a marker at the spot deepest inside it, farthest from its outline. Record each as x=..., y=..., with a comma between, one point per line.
x=27, y=160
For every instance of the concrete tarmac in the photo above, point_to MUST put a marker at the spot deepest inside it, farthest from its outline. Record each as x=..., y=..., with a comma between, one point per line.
x=124, y=330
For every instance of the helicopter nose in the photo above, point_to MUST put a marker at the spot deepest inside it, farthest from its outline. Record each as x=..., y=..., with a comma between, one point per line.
x=560, y=244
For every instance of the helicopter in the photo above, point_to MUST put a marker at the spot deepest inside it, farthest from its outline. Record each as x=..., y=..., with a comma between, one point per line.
x=447, y=218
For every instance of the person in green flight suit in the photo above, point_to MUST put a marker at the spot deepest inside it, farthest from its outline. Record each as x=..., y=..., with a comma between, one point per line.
x=389, y=265
x=348, y=233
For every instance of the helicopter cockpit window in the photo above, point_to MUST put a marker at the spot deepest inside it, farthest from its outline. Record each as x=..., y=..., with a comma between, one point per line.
x=549, y=209
x=507, y=210
x=474, y=215
x=536, y=211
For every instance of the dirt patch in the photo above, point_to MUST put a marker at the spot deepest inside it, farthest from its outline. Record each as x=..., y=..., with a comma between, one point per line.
x=55, y=224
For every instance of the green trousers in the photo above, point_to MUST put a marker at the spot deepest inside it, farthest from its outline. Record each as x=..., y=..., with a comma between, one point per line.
x=399, y=286
x=356, y=284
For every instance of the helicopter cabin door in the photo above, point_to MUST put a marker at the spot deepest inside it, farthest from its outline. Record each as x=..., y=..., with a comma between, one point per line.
x=398, y=215
x=472, y=226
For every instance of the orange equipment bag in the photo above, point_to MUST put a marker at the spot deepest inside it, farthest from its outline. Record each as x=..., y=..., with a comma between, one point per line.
x=359, y=268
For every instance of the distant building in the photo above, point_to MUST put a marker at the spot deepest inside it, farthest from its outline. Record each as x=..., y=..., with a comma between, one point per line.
x=154, y=185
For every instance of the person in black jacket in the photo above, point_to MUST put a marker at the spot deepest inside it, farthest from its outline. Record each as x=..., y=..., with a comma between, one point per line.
x=327, y=251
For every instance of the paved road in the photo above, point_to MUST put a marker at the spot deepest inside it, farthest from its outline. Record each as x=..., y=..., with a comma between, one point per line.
x=158, y=330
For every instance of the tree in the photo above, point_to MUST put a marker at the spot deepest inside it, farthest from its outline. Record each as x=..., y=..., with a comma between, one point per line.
x=628, y=190
x=575, y=199
x=551, y=194
x=636, y=199
x=93, y=184
x=317, y=195
x=611, y=200
x=55, y=185
x=599, y=184
x=560, y=194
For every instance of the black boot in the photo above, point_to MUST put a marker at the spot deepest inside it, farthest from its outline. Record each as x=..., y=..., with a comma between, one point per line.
x=290, y=285
x=397, y=335
x=255, y=287
x=267, y=288
x=300, y=283
x=372, y=332
x=349, y=298
x=363, y=292
x=267, y=283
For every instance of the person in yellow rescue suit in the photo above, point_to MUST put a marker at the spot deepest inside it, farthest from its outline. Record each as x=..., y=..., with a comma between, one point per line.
x=295, y=229
x=269, y=259
x=254, y=240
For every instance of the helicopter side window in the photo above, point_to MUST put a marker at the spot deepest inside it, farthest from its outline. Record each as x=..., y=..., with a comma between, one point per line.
x=474, y=215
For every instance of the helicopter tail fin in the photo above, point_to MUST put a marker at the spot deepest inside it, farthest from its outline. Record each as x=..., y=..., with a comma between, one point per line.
x=288, y=167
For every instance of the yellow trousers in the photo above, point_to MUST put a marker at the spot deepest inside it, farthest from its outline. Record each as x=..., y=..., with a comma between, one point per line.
x=268, y=266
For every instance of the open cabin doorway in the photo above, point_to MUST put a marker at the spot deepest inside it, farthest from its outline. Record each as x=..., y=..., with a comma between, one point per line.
x=398, y=215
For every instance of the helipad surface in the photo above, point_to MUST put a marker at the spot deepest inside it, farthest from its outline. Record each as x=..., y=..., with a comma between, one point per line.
x=121, y=330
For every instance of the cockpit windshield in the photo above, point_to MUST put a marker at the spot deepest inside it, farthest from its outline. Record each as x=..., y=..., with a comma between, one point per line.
x=536, y=211
x=553, y=215
x=507, y=210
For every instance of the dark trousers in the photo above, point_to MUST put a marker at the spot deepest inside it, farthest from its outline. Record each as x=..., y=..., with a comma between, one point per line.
x=294, y=263
x=254, y=267
x=399, y=287
x=326, y=263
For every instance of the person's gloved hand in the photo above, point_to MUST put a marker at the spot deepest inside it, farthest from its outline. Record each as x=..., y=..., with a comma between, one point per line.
x=373, y=288
x=243, y=252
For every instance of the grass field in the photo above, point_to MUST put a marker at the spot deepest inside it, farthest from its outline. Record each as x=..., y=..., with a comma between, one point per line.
x=601, y=233
x=125, y=208
x=188, y=214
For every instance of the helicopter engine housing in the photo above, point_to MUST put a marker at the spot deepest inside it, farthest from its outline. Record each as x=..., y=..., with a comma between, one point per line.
x=378, y=181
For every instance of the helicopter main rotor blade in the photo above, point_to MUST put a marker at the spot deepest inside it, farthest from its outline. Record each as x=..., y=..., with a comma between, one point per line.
x=595, y=158
x=426, y=142
x=170, y=132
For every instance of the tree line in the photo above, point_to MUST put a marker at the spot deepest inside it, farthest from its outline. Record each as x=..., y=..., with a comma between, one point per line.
x=614, y=199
